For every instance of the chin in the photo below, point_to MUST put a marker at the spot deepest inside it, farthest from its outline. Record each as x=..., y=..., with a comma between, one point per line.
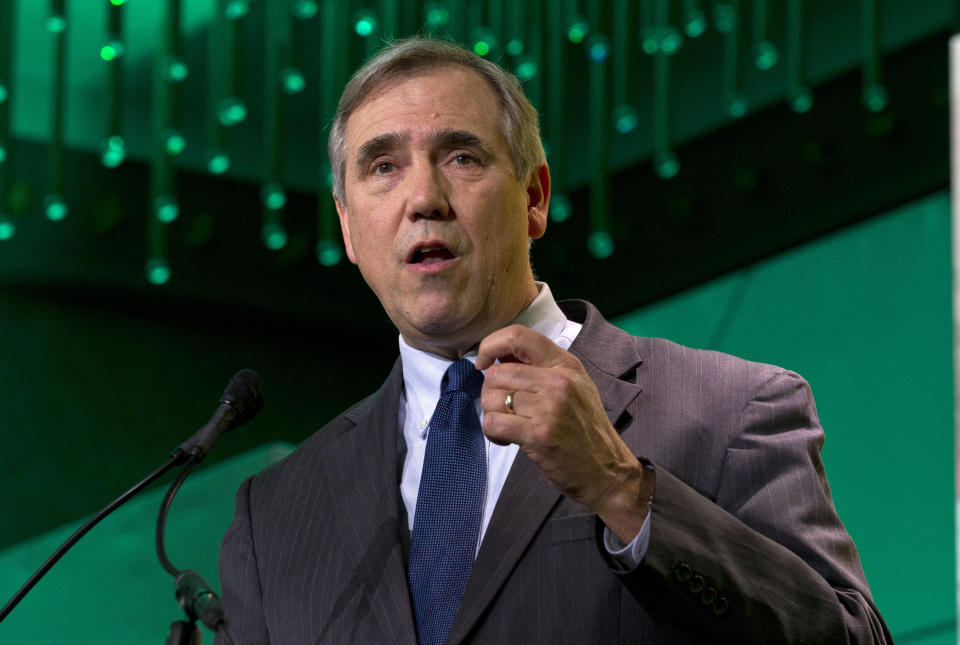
x=442, y=327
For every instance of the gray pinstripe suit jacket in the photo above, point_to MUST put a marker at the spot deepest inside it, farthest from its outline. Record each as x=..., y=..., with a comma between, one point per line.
x=745, y=547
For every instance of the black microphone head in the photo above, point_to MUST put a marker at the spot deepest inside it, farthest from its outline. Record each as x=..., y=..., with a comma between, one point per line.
x=243, y=395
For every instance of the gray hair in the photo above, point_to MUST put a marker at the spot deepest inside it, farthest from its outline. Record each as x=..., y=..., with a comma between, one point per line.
x=518, y=117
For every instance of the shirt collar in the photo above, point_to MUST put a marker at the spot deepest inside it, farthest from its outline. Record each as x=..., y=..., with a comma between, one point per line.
x=423, y=372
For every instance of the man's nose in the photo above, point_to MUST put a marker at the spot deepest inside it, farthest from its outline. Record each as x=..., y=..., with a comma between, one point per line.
x=428, y=192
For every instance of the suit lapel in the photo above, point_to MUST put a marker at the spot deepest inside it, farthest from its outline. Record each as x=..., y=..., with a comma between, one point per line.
x=608, y=354
x=361, y=469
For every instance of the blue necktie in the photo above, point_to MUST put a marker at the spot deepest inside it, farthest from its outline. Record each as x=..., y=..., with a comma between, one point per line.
x=446, y=523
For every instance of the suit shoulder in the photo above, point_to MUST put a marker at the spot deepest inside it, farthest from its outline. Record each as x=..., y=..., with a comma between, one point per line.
x=313, y=445
x=664, y=354
x=725, y=384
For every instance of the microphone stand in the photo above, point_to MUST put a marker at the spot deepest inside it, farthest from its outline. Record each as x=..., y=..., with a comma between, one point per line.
x=177, y=457
x=193, y=593
x=241, y=401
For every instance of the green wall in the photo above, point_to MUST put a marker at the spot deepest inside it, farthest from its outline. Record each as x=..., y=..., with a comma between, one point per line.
x=865, y=317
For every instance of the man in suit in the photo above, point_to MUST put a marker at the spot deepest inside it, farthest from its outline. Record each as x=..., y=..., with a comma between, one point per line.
x=622, y=490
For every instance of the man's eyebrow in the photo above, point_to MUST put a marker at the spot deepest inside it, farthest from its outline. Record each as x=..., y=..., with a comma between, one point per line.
x=450, y=138
x=379, y=144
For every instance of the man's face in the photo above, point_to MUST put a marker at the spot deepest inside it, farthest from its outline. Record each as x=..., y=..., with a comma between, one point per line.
x=434, y=215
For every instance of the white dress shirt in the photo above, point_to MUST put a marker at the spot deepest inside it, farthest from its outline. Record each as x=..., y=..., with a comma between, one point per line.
x=422, y=375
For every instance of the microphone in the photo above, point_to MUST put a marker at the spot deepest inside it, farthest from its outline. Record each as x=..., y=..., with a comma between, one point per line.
x=241, y=401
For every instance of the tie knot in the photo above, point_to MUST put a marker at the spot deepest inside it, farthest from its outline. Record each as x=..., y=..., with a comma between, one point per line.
x=462, y=376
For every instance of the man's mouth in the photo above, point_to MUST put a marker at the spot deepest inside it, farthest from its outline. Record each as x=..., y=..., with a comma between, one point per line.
x=430, y=254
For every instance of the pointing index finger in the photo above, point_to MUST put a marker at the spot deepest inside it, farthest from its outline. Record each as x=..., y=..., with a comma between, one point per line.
x=518, y=343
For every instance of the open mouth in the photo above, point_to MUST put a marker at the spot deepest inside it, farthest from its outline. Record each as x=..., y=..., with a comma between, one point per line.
x=430, y=254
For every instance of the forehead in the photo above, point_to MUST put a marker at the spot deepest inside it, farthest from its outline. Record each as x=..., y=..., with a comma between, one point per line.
x=425, y=101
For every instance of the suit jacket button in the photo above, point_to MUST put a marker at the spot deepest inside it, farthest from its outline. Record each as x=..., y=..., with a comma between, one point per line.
x=708, y=596
x=682, y=572
x=696, y=584
x=720, y=606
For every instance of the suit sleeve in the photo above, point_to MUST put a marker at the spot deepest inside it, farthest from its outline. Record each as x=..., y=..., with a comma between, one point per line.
x=240, y=579
x=769, y=560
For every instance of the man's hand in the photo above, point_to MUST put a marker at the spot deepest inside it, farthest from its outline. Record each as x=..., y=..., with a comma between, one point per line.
x=560, y=423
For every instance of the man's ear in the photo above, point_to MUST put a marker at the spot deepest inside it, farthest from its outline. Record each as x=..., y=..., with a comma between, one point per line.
x=345, y=230
x=538, y=201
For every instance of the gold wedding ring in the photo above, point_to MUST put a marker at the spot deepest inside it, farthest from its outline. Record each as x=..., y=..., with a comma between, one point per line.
x=509, y=401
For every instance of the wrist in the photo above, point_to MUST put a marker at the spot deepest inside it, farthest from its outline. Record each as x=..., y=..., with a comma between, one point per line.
x=626, y=506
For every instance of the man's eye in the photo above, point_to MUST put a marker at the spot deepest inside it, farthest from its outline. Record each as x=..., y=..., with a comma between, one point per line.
x=383, y=168
x=464, y=160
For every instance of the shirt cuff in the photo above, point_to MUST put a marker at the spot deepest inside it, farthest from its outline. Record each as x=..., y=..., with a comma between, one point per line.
x=627, y=558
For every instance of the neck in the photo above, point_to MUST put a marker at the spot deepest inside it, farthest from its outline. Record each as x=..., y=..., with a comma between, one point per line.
x=456, y=346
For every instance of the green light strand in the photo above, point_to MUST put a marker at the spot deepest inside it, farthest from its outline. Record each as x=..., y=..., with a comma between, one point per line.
x=694, y=19
x=665, y=162
x=874, y=95
x=799, y=95
x=598, y=114
x=727, y=19
x=765, y=53
x=55, y=206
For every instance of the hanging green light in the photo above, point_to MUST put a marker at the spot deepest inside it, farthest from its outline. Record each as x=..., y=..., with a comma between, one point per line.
x=55, y=23
x=328, y=252
x=874, y=95
x=274, y=235
x=174, y=142
x=7, y=227
x=525, y=68
x=231, y=111
x=273, y=196
x=112, y=50
x=599, y=241
x=218, y=162
x=765, y=53
x=727, y=21
x=436, y=14
x=365, y=22
x=483, y=40
x=560, y=208
x=54, y=205
x=55, y=208
x=799, y=95
x=176, y=69
x=292, y=80
x=170, y=71
x=598, y=48
x=165, y=209
x=625, y=119
x=157, y=271
x=577, y=29
x=694, y=19
x=600, y=244
x=304, y=9
x=113, y=151
x=236, y=9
